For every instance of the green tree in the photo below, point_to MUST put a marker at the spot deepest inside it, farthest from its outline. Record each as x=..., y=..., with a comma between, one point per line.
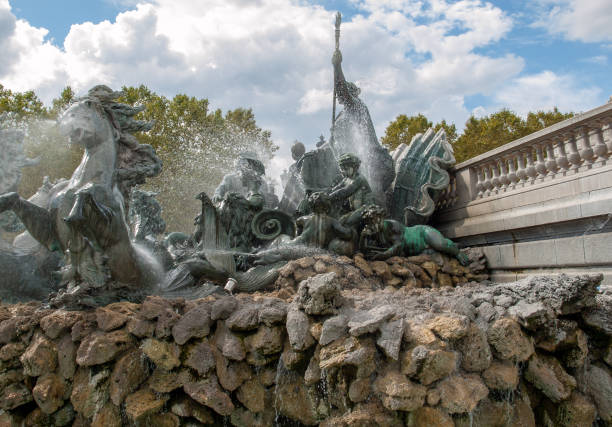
x=197, y=146
x=21, y=104
x=404, y=128
x=58, y=105
x=486, y=133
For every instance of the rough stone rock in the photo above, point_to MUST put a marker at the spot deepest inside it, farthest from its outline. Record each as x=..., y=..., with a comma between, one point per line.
x=164, y=354
x=128, y=373
x=390, y=339
x=230, y=345
x=294, y=400
x=14, y=395
x=433, y=397
x=298, y=330
x=436, y=365
x=100, y=347
x=40, y=357
x=230, y=374
x=267, y=340
x=366, y=322
x=459, y=394
x=576, y=355
x=153, y=307
x=251, y=394
x=11, y=377
x=577, y=411
x=66, y=357
x=491, y=413
x=548, y=376
x=397, y=392
x=359, y=390
x=599, y=316
x=272, y=311
x=200, y=357
x=142, y=404
x=89, y=391
x=363, y=265
x=415, y=335
x=246, y=318
x=475, y=350
x=608, y=355
x=162, y=381
x=316, y=329
x=49, y=393
x=599, y=386
x=381, y=269
x=207, y=392
x=450, y=327
x=58, y=322
x=165, y=419
x=508, y=341
x=501, y=376
x=223, y=308
x=312, y=375
x=360, y=353
x=185, y=407
x=320, y=294
x=84, y=327
x=140, y=327
x=242, y=417
x=291, y=358
x=531, y=315
x=64, y=416
x=9, y=355
x=194, y=323
x=165, y=322
x=430, y=417
x=108, y=416
x=333, y=328
x=109, y=318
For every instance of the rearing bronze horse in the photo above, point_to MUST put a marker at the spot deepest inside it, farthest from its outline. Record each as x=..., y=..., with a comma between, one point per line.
x=84, y=216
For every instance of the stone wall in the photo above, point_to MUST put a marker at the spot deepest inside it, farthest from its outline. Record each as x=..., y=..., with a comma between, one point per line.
x=535, y=352
x=541, y=204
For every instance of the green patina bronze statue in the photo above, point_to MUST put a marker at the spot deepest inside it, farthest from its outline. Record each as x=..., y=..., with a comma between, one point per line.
x=384, y=238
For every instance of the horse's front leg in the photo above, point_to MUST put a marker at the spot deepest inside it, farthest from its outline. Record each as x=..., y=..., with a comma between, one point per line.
x=37, y=220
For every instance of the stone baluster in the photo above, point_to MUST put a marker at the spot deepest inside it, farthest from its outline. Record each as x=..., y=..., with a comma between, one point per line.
x=596, y=139
x=540, y=165
x=477, y=171
x=488, y=185
x=522, y=170
x=607, y=132
x=551, y=162
x=503, y=167
x=452, y=194
x=561, y=159
x=512, y=176
x=574, y=156
x=586, y=152
x=495, y=181
x=531, y=169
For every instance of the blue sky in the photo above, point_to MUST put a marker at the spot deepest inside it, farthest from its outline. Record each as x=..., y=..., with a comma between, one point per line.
x=446, y=59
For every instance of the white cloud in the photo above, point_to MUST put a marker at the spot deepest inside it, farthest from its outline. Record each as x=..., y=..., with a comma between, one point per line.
x=408, y=57
x=582, y=20
x=546, y=90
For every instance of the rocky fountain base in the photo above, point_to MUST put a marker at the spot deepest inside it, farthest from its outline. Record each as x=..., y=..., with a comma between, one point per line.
x=340, y=342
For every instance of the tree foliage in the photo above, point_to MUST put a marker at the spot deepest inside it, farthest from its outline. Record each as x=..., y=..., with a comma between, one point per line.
x=479, y=135
x=404, y=128
x=486, y=133
x=197, y=145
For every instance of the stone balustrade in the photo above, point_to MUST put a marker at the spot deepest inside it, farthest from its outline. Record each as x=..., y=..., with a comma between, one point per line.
x=555, y=183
